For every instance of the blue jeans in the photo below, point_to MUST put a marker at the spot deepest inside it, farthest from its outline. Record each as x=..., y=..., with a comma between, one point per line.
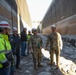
x=27, y=46
x=5, y=71
x=12, y=69
x=23, y=48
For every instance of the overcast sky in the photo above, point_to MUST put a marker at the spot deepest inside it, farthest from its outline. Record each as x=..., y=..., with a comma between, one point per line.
x=38, y=8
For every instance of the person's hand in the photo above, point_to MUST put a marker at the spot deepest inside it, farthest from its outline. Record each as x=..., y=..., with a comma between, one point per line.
x=6, y=64
x=41, y=47
x=46, y=48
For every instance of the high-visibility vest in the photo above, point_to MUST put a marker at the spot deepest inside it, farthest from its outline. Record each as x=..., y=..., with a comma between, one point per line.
x=28, y=36
x=5, y=48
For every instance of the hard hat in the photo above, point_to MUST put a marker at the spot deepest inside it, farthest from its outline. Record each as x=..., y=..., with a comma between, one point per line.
x=29, y=31
x=15, y=29
x=33, y=29
x=4, y=24
x=24, y=28
x=53, y=26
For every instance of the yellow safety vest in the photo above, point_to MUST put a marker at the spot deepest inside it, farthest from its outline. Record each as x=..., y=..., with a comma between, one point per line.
x=28, y=37
x=4, y=43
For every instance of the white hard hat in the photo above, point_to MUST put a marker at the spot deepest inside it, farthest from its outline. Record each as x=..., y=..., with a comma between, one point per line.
x=15, y=29
x=53, y=26
x=24, y=28
x=29, y=31
x=33, y=29
x=4, y=24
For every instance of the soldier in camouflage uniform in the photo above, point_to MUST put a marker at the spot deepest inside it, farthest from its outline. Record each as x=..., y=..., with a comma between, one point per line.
x=55, y=45
x=36, y=45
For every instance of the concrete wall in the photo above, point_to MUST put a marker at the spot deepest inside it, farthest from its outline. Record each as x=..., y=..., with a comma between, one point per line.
x=16, y=13
x=24, y=12
x=7, y=14
x=63, y=14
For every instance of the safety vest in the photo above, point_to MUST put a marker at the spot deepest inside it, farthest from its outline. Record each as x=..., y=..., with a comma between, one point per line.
x=5, y=48
x=28, y=37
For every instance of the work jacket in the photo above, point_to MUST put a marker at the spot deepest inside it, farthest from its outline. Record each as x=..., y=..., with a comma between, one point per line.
x=5, y=49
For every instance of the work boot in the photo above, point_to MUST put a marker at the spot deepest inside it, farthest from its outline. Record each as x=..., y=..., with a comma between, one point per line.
x=57, y=66
x=35, y=67
x=39, y=65
x=49, y=63
x=18, y=68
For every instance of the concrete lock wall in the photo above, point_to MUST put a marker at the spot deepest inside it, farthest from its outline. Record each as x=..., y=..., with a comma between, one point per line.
x=63, y=14
x=16, y=13
x=23, y=11
x=7, y=14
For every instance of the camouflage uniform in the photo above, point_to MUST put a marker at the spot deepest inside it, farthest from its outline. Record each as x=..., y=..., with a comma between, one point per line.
x=35, y=44
x=55, y=46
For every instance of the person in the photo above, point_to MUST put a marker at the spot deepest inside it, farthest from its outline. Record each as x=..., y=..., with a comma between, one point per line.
x=29, y=34
x=23, y=40
x=36, y=46
x=33, y=30
x=6, y=56
x=28, y=40
x=55, y=41
x=15, y=43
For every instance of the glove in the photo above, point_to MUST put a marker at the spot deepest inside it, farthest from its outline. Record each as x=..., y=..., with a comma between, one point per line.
x=6, y=64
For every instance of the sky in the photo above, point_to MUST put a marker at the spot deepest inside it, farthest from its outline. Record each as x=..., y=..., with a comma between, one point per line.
x=38, y=8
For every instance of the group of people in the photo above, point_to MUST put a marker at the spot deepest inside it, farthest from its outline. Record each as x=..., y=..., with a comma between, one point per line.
x=13, y=46
x=36, y=44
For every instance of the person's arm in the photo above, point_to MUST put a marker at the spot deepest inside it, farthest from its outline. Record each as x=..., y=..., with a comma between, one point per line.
x=3, y=60
x=21, y=36
x=19, y=39
x=47, y=42
x=30, y=44
x=60, y=42
x=41, y=43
